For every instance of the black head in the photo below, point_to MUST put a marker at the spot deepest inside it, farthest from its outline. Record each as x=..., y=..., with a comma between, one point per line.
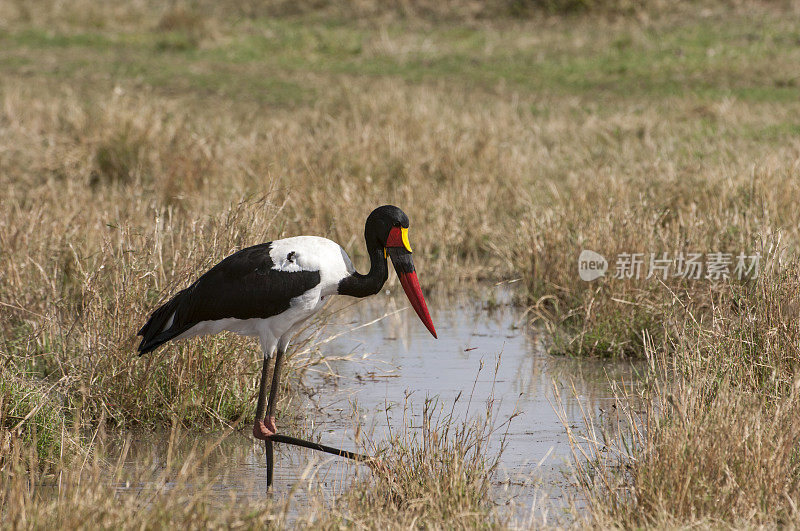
x=387, y=229
x=380, y=223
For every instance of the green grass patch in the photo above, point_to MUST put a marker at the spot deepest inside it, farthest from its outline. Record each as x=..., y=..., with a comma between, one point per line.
x=30, y=413
x=706, y=58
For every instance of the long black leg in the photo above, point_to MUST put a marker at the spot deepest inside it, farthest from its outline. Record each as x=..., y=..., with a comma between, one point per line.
x=262, y=391
x=320, y=447
x=266, y=410
x=270, y=458
x=273, y=399
x=261, y=406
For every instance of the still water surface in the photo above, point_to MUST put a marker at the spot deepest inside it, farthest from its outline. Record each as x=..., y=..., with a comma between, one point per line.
x=481, y=352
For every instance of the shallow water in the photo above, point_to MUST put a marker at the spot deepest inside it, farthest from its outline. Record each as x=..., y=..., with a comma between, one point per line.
x=375, y=368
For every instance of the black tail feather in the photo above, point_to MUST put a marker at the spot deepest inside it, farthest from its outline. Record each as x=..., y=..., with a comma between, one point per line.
x=153, y=333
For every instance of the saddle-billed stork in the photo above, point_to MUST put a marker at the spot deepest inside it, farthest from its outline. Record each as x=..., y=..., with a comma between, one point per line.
x=269, y=290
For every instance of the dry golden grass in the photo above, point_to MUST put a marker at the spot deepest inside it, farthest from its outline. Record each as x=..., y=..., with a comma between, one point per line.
x=93, y=493
x=434, y=472
x=711, y=437
x=737, y=206
x=139, y=144
x=114, y=207
x=439, y=477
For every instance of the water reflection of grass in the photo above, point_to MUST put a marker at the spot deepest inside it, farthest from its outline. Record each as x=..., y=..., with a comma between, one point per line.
x=440, y=476
x=436, y=469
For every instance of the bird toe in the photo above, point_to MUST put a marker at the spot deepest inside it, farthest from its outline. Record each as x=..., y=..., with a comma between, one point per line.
x=262, y=431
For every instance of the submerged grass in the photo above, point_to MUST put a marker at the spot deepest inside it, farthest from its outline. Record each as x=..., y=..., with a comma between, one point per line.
x=439, y=477
x=97, y=494
x=436, y=470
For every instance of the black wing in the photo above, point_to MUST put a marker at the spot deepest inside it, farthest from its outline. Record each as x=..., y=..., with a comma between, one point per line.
x=242, y=286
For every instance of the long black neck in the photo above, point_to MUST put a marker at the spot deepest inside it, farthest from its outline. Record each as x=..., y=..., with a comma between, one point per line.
x=358, y=285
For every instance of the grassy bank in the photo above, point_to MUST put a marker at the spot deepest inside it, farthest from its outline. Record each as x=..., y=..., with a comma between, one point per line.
x=140, y=144
x=714, y=441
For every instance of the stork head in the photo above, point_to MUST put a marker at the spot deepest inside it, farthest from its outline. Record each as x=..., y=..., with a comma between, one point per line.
x=387, y=227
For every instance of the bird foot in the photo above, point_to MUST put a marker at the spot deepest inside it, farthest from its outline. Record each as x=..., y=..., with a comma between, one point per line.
x=264, y=430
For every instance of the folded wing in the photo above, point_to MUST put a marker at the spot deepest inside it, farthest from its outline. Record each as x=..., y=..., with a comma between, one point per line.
x=242, y=286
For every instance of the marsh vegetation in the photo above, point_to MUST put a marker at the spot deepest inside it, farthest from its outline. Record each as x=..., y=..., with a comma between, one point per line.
x=141, y=143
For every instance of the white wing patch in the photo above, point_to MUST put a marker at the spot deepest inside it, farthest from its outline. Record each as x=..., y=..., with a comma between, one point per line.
x=288, y=262
x=312, y=253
